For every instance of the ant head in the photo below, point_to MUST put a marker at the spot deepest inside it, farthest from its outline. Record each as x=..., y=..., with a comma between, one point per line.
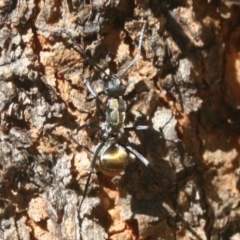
x=113, y=86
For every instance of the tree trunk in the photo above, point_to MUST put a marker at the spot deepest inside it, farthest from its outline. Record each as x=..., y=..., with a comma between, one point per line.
x=187, y=80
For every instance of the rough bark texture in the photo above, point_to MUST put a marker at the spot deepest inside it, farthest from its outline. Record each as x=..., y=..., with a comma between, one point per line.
x=188, y=82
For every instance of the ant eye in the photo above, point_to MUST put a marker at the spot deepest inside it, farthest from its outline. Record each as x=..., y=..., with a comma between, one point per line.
x=105, y=78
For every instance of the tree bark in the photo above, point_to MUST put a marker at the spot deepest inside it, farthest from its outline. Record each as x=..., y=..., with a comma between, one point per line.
x=188, y=83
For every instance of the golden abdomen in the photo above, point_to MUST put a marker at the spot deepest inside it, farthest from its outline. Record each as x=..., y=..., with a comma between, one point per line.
x=113, y=160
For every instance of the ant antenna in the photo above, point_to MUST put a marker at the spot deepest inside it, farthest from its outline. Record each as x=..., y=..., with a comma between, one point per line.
x=92, y=62
x=139, y=51
x=81, y=51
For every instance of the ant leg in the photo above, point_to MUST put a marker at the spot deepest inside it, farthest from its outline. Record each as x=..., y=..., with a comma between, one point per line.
x=135, y=99
x=132, y=150
x=88, y=124
x=91, y=170
x=137, y=128
x=139, y=51
x=137, y=154
x=98, y=101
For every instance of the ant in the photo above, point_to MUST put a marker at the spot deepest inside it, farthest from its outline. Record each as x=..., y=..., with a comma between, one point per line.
x=113, y=153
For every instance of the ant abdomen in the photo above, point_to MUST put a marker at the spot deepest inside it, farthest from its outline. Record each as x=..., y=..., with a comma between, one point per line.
x=113, y=160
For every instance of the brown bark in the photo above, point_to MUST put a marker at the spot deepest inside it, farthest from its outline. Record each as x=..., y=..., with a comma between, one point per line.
x=188, y=82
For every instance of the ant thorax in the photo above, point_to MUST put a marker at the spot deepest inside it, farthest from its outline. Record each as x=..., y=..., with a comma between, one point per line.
x=115, y=116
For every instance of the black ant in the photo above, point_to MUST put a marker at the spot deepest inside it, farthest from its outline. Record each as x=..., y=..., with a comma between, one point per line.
x=113, y=153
